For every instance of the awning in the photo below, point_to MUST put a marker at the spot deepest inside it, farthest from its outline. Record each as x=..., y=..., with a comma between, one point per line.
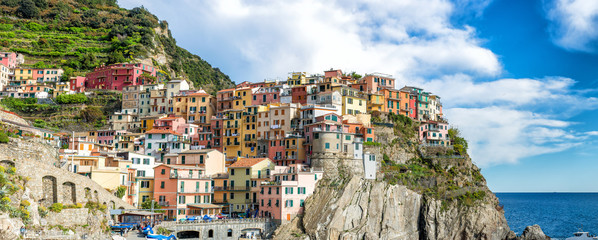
x=204, y=206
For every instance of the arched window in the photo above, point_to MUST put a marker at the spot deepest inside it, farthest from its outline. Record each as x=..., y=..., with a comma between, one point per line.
x=210, y=233
x=229, y=233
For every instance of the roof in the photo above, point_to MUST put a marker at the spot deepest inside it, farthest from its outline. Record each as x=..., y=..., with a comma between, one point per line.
x=162, y=131
x=199, y=94
x=199, y=151
x=227, y=90
x=246, y=162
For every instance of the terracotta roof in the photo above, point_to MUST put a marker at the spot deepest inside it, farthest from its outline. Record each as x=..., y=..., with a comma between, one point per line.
x=246, y=162
x=199, y=94
x=226, y=90
x=162, y=131
x=168, y=118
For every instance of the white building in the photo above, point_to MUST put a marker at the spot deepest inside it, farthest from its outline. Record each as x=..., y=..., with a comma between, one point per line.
x=161, y=142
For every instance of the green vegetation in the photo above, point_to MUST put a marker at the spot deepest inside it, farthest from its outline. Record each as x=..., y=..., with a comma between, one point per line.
x=372, y=144
x=459, y=143
x=80, y=35
x=10, y=184
x=56, y=207
x=120, y=191
x=96, y=206
x=3, y=137
x=148, y=205
x=163, y=231
x=71, y=98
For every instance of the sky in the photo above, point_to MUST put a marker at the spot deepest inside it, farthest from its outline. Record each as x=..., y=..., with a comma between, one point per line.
x=518, y=78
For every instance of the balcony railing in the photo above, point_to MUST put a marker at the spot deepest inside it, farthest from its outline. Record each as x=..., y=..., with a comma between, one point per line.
x=163, y=203
x=229, y=188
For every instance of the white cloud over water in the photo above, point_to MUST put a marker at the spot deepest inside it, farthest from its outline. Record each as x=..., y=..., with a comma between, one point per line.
x=505, y=120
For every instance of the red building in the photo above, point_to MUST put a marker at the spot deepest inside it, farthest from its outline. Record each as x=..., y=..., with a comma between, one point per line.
x=117, y=76
x=78, y=84
x=299, y=95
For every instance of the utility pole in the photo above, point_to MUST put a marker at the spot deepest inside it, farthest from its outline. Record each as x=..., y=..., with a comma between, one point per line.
x=73, y=154
x=153, y=217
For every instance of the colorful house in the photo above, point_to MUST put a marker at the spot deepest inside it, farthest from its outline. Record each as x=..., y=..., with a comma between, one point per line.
x=244, y=176
x=117, y=76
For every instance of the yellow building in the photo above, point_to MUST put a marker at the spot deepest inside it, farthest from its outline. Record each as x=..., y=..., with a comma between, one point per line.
x=243, y=176
x=179, y=106
x=60, y=88
x=232, y=121
x=200, y=108
x=297, y=78
x=354, y=105
x=23, y=73
x=145, y=189
x=249, y=132
x=376, y=103
x=243, y=97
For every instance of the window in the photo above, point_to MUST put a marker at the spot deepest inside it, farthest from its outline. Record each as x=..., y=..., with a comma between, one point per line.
x=327, y=145
x=162, y=184
x=232, y=172
x=146, y=161
x=163, y=171
x=183, y=160
x=200, y=159
x=247, y=171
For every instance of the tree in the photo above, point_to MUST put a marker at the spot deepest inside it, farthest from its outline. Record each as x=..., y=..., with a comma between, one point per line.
x=120, y=191
x=28, y=9
x=148, y=205
x=459, y=143
x=67, y=74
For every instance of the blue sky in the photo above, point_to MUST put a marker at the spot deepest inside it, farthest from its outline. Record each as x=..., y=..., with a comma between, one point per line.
x=519, y=78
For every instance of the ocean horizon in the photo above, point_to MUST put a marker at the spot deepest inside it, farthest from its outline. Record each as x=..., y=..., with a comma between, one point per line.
x=559, y=214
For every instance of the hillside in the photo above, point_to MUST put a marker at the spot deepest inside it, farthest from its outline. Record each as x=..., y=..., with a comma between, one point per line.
x=79, y=35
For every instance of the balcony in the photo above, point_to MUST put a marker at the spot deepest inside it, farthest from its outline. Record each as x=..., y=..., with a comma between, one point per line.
x=229, y=188
x=250, y=201
x=195, y=191
x=219, y=200
x=164, y=203
x=275, y=126
x=186, y=176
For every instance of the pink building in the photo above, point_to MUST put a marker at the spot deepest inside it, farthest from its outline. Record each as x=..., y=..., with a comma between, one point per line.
x=170, y=123
x=282, y=198
x=333, y=73
x=266, y=95
x=8, y=59
x=78, y=84
x=375, y=82
x=107, y=136
x=116, y=76
x=434, y=133
x=183, y=191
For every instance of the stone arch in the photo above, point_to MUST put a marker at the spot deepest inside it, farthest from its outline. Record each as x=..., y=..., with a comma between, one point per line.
x=121, y=207
x=187, y=234
x=96, y=197
x=229, y=233
x=88, y=193
x=69, y=194
x=7, y=164
x=211, y=233
x=112, y=205
x=49, y=190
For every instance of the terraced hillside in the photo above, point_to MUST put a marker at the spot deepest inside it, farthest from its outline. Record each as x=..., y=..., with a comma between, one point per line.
x=79, y=35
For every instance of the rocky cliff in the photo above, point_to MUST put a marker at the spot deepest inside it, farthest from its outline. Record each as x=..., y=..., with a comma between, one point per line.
x=419, y=193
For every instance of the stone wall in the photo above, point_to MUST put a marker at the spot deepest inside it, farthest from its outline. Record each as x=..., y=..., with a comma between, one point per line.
x=50, y=184
x=220, y=228
x=68, y=217
x=12, y=117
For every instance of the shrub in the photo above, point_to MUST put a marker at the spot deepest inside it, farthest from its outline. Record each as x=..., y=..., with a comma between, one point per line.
x=120, y=191
x=43, y=211
x=71, y=98
x=25, y=203
x=56, y=207
x=372, y=144
x=3, y=137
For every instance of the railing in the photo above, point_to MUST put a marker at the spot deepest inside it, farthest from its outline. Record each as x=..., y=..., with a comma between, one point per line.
x=215, y=221
x=164, y=203
x=229, y=188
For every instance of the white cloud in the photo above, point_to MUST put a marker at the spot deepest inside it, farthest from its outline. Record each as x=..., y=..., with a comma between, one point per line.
x=505, y=120
x=574, y=24
x=259, y=39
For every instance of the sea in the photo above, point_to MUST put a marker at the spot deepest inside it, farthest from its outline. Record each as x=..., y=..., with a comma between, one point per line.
x=559, y=214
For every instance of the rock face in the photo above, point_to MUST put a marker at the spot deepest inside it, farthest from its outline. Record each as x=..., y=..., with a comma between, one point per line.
x=533, y=233
x=346, y=206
